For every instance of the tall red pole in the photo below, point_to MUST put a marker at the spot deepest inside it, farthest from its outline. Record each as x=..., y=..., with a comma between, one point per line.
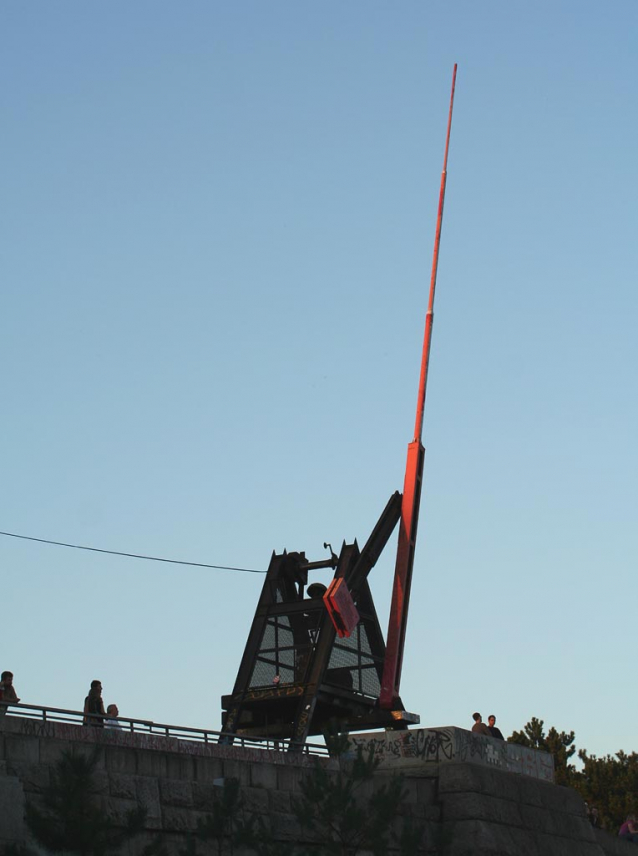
x=412, y=485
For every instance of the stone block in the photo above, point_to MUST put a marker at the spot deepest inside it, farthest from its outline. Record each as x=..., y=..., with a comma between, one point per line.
x=529, y=791
x=471, y=778
x=256, y=800
x=573, y=826
x=551, y=845
x=558, y=798
x=475, y=806
x=410, y=791
x=175, y=792
x=288, y=778
x=421, y=811
x=147, y=792
x=204, y=795
x=122, y=785
x=263, y=776
x=166, y=843
x=527, y=838
x=93, y=752
x=11, y=810
x=286, y=827
x=537, y=818
x=101, y=784
x=22, y=749
x=430, y=771
x=34, y=777
x=15, y=725
x=180, y=766
x=425, y=790
x=279, y=802
x=432, y=841
x=176, y=819
x=152, y=763
x=244, y=851
x=472, y=837
x=52, y=750
x=120, y=760
x=237, y=770
x=118, y=809
x=458, y=777
x=400, y=825
x=208, y=769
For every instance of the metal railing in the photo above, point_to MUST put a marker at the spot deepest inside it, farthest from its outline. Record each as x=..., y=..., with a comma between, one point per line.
x=147, y=727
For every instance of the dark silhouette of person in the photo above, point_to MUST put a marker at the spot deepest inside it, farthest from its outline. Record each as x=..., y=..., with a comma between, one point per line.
x=494, y=731
x=94, y=706
x=479, y=726
x=7, y=690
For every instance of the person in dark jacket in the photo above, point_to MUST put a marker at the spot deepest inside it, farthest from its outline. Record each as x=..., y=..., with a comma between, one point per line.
x=94, y=706
x=494, y=731
x=7, y=690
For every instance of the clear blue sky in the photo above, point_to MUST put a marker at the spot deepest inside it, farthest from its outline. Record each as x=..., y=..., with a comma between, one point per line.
x=217, y=223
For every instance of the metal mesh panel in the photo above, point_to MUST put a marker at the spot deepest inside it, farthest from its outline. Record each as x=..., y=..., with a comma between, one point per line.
x=265, y=671
x=284, y=652
x=351, y=665
x=370, y=684
x=268, y=639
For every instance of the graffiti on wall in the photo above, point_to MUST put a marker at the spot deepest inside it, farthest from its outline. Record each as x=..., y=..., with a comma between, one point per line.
x=397, y=749
x=36, y=728
x=439, y=745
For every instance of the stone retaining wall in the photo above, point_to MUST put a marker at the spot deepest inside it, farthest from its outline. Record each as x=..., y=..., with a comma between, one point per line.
x=409, y=750
x=467, y=809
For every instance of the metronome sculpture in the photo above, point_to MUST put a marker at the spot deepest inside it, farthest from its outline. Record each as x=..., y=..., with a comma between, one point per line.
x=317, y=655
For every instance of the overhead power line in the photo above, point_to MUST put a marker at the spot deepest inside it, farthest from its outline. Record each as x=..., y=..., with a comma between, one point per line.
x=132, y=555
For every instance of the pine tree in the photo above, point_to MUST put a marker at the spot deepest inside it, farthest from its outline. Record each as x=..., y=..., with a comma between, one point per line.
x=71, y=820
x=345, y=814
x=229, y=825
x=611, y=785
x=557, y=743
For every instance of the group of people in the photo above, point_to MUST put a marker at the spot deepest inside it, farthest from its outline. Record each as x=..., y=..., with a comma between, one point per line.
x=489, y=730
x=94, y=713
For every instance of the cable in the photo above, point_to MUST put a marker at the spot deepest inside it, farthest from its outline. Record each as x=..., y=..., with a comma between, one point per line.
x=132, y=555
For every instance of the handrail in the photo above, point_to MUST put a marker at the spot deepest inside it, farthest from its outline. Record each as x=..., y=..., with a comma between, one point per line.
x=157, y=729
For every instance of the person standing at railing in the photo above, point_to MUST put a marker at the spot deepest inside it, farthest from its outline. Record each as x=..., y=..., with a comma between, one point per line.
x=7, y=690
x=112, y=712
x=479, y=726
x=94, y=706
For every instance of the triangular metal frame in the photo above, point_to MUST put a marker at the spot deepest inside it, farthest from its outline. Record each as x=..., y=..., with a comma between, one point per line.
x=296, y=675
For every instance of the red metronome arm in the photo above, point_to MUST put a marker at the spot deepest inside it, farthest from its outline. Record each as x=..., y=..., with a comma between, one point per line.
x=412, y=485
